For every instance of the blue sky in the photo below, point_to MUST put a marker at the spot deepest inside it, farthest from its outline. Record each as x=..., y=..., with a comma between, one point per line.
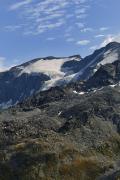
x=37, y=28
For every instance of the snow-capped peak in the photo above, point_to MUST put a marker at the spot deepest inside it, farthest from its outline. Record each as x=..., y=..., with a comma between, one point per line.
x=55, y=68
x=47, y=66
x=40, y=74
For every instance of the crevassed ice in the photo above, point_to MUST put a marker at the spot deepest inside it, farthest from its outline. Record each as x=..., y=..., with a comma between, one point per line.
x=49, y=67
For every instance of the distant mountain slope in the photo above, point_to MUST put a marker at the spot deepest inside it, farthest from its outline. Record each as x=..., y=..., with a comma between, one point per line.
x=41, y=74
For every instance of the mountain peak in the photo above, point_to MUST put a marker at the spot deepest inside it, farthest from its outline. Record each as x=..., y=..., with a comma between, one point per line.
x=113, y=44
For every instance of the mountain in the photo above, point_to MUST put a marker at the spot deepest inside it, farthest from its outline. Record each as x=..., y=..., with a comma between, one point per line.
x=65, y=132
x=20, y=82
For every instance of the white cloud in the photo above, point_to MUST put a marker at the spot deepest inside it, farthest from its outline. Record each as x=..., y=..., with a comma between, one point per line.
x=110, y=38
x=86, y=30
x=45, y=15
x=19, y=4
x=104, y=28
x=83, y=42
x=99, y=35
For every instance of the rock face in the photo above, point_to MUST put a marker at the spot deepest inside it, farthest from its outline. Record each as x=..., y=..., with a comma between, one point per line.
x=108, y=74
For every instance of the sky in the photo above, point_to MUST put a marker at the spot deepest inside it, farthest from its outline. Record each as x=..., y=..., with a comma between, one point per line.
x=38, y=28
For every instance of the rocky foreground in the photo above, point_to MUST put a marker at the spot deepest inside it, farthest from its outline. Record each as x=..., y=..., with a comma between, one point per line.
x=62, y=134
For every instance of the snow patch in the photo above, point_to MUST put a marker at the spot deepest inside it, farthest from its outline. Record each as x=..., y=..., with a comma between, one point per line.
x=56, y=81
x=95, y=70
x=113, y=85
x=80, y=93
x=51, y=67
x=109, y=57
x=75, y=92
x=50, y=83
x=59, y=113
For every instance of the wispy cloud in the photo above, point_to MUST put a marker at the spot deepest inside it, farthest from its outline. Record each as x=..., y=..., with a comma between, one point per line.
x=87, y=30
x=104, y=28
x=19, y=4
x=110, y=38
x=44, y=15
x=83, y=42
x=99, y=35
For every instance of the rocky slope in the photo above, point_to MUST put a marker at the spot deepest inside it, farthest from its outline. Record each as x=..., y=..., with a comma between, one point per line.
x=60, y=134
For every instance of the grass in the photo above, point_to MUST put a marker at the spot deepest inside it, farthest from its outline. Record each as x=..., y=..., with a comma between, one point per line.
x=83, y=169
x=36, y=160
